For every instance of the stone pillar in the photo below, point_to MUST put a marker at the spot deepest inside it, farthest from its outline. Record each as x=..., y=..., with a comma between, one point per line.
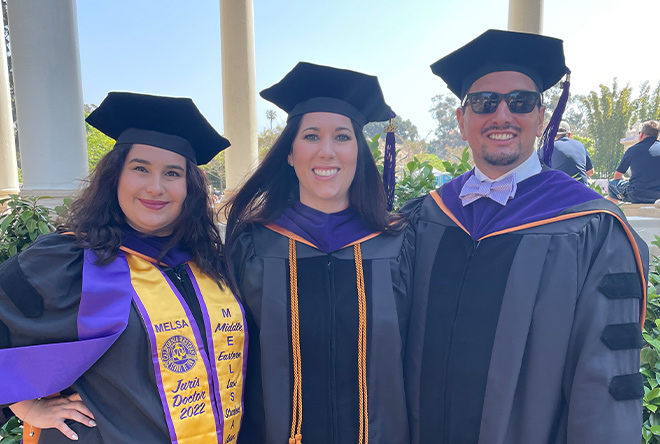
x=48, y=94
x=238, y=90
x=526, y=16
x=8, y=165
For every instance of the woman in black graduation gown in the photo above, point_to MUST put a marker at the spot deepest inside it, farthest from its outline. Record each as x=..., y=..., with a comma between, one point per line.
x=322, y=271
x=127, y=306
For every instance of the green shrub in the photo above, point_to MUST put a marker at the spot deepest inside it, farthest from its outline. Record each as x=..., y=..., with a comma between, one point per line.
x=650, y=356
x=11, y=432
x=417, y=177
x=460, y=167
x=23, y=221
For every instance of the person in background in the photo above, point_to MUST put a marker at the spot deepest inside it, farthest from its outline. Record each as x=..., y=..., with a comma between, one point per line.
x=323, y=270
x=126, y=311
x=529, y=288
x=643, y=160
x=570, y=156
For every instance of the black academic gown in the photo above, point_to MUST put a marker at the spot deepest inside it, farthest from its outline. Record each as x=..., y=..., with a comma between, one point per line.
x=328, y=308
x=120, y=388
x=530, y=336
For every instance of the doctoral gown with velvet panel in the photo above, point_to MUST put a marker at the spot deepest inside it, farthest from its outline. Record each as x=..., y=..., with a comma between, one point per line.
x=526, y=335
x=40, y=291
x=328, y=313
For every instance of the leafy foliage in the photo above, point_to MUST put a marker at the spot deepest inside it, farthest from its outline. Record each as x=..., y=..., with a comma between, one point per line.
x=11, y=432
x=447, y=134
x=587, y=142
x=271, y=115
x=405, y=130
x=98, y=144
x=418, y=179
x=215, y=171
x=462, y=166
x=24, y=220
x=572, y=114
x=647, y=106
x=608, y=116
x=650, y=356
x=434, y=160
x=266, y=139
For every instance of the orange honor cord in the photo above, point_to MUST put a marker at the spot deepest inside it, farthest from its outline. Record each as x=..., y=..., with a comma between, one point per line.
x=296, y=420
x=362, y=347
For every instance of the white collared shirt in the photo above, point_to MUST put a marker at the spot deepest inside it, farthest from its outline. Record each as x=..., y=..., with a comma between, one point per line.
x=525, y=170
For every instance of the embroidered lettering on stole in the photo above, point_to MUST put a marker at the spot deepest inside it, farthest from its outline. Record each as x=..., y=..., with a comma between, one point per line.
x=198, y=406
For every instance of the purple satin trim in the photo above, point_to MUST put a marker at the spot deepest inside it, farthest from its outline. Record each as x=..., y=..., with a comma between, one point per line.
x=152, y=246
x=104, y=306
x=328, y=232
x=209, y=338
x=156, y=363
x=542, y=196
x=215, y=390
x=245, y=357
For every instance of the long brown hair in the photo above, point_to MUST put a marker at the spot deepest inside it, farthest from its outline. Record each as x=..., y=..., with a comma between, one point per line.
x=98, y=222
x=274, y=186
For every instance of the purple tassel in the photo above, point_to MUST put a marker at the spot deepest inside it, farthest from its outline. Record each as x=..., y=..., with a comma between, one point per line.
x=547, y=142
x=389, y=163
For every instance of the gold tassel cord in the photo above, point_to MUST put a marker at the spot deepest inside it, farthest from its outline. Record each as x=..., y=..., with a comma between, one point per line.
x=296, y=420
x=362, y=347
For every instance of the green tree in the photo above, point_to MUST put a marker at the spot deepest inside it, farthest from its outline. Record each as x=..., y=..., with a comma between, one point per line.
x=647, y=106
x=266, y=138
x=215, y=171
x=405, y=130
x=433, y=160
x=587, y=142
x=271, y=115
x=447, y=134
x=572, y=114
x=98, y=144
x=608, y=116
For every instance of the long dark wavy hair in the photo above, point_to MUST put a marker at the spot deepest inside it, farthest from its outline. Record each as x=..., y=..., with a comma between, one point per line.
x=98, y=222
x=274, y=186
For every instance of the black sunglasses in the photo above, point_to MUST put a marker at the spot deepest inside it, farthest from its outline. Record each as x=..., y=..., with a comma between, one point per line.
x=486, y=102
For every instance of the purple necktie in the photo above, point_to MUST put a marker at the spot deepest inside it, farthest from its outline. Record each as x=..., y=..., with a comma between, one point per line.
x=500, y=191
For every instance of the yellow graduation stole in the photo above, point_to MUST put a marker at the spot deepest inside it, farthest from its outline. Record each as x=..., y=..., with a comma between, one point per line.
x=201, y=394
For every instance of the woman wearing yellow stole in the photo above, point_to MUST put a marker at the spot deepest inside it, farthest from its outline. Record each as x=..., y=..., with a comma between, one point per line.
x=127, y=306
x=323, y=272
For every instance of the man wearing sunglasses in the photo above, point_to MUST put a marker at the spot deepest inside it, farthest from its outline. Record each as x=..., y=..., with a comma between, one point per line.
x=529, y=288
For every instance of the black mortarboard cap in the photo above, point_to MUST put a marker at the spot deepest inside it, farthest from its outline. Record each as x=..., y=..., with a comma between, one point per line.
x=312, y=88
x=539, y=57
x=171, y=123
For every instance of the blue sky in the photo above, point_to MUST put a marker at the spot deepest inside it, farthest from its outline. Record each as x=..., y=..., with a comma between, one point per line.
x=173, y=48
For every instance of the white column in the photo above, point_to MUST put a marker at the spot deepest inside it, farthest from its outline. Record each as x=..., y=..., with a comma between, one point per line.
x=238, y=90
x=526, y=16
x=8, y=166
x=48, y=94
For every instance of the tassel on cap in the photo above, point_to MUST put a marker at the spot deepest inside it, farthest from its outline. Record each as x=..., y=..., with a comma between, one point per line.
x=547, y=142
x=389, y=166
